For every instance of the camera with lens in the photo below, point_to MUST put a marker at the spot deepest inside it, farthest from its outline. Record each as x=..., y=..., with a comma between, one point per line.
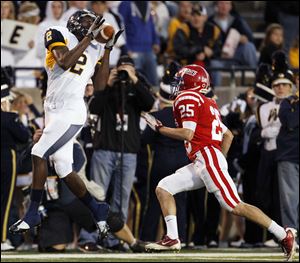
x=122, y=75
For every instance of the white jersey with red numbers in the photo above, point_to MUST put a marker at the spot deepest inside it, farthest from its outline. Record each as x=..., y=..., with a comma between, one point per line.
x=194, y=111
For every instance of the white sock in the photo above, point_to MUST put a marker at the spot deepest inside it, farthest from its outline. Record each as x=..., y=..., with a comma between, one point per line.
x=277, y=230
x=171, y=222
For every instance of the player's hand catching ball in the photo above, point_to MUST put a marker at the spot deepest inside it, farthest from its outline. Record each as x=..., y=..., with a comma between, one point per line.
x=110, y=44
x=95, y=28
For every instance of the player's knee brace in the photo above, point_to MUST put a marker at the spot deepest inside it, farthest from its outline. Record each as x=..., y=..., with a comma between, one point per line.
x=115, y=221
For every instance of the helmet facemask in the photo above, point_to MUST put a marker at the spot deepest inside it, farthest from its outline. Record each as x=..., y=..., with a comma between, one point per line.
x=75, y=25
x=175, y=86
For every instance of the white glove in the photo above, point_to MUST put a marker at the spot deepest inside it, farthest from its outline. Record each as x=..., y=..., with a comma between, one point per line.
x=154, y=123
x=110, y=44
x=270, y=132
x=95, y=27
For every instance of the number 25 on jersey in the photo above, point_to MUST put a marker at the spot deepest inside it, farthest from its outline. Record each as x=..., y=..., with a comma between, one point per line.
x=216, y=129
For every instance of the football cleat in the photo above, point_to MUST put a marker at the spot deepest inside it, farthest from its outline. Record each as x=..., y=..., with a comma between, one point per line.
x=21, y=226
x=139, y=246
x=288, y=244
x=6, y=246
x=165, y=244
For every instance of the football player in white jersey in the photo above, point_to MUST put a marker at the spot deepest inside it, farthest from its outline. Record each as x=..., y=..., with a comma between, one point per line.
x=72, y=59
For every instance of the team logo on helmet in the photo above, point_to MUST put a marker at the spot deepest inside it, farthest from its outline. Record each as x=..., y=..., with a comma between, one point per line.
x=191, y=77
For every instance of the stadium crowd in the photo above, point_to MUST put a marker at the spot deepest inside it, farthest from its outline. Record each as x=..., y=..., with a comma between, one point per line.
x=121, y=160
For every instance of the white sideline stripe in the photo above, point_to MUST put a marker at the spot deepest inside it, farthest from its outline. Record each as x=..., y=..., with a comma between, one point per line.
x=146, y=255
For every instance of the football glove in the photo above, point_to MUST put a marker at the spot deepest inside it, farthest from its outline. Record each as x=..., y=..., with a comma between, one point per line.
x=110, y=44
x=95, y=27
x=154, y=123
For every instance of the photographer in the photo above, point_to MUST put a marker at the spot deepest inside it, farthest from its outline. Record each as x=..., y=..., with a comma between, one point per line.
x=119, y=107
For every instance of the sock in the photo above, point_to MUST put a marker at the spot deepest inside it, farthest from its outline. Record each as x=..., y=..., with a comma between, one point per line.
x=277, y=231
x=32, y=212
x=99, y=210
x=171, y=222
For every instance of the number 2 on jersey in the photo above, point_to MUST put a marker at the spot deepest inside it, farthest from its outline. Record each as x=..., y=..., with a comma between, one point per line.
x=216, y=130
x=77, y=68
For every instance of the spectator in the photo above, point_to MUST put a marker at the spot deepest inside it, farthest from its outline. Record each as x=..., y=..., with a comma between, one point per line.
x=247, y=163
x=179, y=22
x=117, y=137
x=7, y=10
x=273, y=41
x=169, y=155
x=12, y=132
x=142, y=40
x=54, y=11
x=73, y=7
x=252, y=144
x=245, y=53
x=248, y=166
x=202, y=41
x=101, y=8
x=235, y=115
x=288, y=160
x=267, y=179
x=29, y=12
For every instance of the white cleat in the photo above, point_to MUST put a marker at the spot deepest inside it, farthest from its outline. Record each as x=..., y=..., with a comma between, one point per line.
x=166, y=244
x=289, y=243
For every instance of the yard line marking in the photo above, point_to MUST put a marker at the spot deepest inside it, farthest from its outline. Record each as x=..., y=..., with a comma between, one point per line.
x=145, y=255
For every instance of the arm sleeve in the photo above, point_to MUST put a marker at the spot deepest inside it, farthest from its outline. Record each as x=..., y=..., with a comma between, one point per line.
x=187, y=108
x=191, y=125
x=53, y=38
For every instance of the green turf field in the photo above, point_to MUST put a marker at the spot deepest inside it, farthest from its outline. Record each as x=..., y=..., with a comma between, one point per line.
x=204, y=255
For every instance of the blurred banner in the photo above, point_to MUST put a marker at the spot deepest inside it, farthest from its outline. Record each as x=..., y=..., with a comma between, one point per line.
x=17, y=35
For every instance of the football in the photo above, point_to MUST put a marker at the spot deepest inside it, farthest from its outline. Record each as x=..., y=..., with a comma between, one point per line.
x=106, y=33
